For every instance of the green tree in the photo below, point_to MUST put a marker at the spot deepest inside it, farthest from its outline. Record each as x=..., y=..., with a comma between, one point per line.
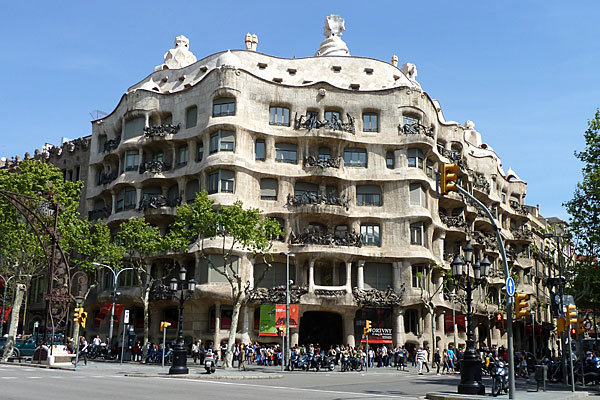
x=139, y=241
x=584, y=223
x=226, y=231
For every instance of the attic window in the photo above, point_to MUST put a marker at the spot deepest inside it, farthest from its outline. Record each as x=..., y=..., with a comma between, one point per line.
x=336, y=68
x=369, y=71
x=354, y=86
x=306, y=82
x=203, y=69
x=165, y=78
x=262, y=65
x=396, y=77
x=278, y=80
x=291, y=71
x=182, y=78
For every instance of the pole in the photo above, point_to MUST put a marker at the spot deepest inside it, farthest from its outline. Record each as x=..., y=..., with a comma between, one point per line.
x=595, y=330
x=571, y=361
x=454, y=319
x=112, y=311
x=123, y=343
x=367, y=344
x=287, y=313
x=76, y=349
x=164, y=345
x=509, y=299
x=562, y=311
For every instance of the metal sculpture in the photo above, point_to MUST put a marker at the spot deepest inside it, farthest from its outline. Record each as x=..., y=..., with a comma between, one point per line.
x=312, y=235
x=328, y=162
x=415, y=129
x=161, y=130
x=330, y=199
x=154, y=167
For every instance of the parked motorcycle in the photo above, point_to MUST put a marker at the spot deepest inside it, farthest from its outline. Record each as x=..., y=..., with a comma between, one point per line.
x=351, y=363
x=298, y=362
x=499, y=376
x=328, y=362
x=209, y=362
x=314, y=361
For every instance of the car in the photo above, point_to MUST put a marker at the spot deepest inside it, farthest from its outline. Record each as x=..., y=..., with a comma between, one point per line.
x=22, y=347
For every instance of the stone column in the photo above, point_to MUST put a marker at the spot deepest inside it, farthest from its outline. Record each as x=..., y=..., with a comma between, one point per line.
x=360, y=274
x=441, y=323
x=113, y=197
x=348, y=321
x=396, y=277
x=217, y=337
x=311, y=276
x=138, y=196
x=245, y=325
x=156, y=316
x=295, y=337
x=398, y=325
x=427, y=328
x=334, y=273
x=348, y=277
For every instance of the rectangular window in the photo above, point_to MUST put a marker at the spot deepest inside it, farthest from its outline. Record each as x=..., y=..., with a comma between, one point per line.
x=158, y=157
x=355, y=157
x=286, y=152
x=182, y=155
x=419, y=276
x=126, y=199
x=370, y=122
x=191, y=117
x=370, y=235
x=324, y=153
x=134, y=127
x=504, y=198
x=227, y=181
x=268, y=189
x=222, y=141
x=416, y=234
x=279, y=116
x=132, y=160
x=378, y=276
x=390, y=160
x=213, y=182
x=417, y=194
x=200, y=152
x=410, y=120
x=415, y=158
x=259, y=150
x=368, y=195
x=429, y=171
x=223, y=107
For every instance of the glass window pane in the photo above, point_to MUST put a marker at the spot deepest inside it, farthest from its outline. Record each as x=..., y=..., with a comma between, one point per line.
x=260, y=150
x=191, y=117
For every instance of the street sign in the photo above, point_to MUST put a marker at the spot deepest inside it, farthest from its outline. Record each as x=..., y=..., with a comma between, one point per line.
x=126, y=317
x=510, y=286
x=587, y=324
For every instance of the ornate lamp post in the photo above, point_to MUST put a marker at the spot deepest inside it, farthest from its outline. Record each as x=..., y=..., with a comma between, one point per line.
x=470, y=368
x=186, y=289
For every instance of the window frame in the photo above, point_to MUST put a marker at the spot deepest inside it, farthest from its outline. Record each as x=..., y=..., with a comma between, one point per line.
x=133, y=154
x=269, y=197
x=370, y=199
x=222, y=184
x=370, y=115
x=217, y=142
x=258, y=142
x=281, y=150
x=183, y=152
x=279, y=116
x=371, y=234
x=419, y=158
x=352, y=151
x=224, y=101
x=188, y=114
x=390, y=155
x=417, y=234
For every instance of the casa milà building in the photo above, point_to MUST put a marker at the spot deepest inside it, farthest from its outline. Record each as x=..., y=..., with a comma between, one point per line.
x=343, y=151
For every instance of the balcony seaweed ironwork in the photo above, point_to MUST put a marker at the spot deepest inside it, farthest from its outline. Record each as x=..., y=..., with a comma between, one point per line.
x=453, y=221
x=154, y=201
x=314, y=235
x=415, y=129
x=310, y=122
x=520, y=209
x=160, y=130
x=328, y=162
x=101, y=213
x=111, y=144
x=154, y=167
x=330, y=199
x=106, y=177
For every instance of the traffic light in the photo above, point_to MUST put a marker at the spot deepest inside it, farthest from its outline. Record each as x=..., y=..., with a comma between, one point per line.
x=164, y=325
x=448, y=178
x=77, y=314
x=367, y=329
x=561, y=326
x=521, y=305
x=580, y=327
x=499, y=319
x=281, y=330
x=82, y=318
x=572, y=313
x=573, y=332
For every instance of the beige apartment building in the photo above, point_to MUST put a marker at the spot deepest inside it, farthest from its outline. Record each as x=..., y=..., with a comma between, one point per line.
x=342, y=151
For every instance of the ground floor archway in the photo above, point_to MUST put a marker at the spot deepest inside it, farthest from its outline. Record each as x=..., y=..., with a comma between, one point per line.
x=320, y=327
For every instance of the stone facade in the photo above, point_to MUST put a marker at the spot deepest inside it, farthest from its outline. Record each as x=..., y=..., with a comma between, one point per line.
x=343, y=150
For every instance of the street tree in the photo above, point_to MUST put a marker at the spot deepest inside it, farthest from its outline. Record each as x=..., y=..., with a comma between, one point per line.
x=140, y=241
x=226, y=231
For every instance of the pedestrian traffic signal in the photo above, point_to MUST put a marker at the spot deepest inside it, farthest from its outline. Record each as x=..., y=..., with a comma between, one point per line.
x=82, y=318
x=499, y=319
x=561, y=326
x=448, y=178
x=572, y=313
x=164, y=325
x=521, y=305
x=77, y=314
x=573, y=332
x=367, y=329
x=281, y=330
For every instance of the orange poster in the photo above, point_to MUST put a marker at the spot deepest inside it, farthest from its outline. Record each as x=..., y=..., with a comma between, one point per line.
x=280, y=315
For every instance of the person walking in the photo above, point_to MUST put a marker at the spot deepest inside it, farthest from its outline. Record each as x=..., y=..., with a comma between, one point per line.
x=451, y=359
x=421, y=358
x=437, y=360
x=83, y=349
x=195, y=351
x=426, y=362
x=242, y=358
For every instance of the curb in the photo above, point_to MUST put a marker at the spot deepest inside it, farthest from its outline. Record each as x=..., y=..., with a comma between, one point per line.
x=65, y=368
x=208, y=377
x=457, y=396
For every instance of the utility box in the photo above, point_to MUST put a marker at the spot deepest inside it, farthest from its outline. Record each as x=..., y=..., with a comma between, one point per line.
x=541, y=374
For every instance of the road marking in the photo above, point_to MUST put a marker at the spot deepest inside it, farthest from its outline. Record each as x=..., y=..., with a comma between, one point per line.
x=34, y=377
x=8, y=377
x=288, y=388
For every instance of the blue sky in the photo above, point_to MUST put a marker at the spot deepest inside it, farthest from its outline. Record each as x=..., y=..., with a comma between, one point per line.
x=524, y=72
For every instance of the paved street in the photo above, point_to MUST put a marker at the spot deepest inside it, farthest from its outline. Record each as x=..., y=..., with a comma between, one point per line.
x=99, y=380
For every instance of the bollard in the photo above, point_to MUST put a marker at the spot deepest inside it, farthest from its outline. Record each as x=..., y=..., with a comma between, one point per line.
x=541, y=374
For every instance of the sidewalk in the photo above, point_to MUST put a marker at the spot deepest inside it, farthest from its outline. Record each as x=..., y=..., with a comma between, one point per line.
x=519, y=395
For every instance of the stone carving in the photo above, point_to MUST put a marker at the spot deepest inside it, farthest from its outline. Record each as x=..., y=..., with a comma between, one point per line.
x=276, y=295
x=251, y=42
x=416, y=129
x=314, y=235
x=328, y=162
x=179, y=57
x=520, y=209
x=111, y=144
x=395, y=61
x=154, y=167
x=481, y=183
x=453, y=221
x=486, y=239
x=106, y=177
x=374, y=297
x=101, y=213
x=333, y=45
x=330, y=199
x=161, y=130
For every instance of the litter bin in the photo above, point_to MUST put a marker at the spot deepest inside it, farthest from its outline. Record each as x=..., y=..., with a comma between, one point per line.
x=541, y=374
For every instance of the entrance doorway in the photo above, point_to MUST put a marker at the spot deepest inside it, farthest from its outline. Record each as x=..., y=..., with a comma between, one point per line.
x=322, y=328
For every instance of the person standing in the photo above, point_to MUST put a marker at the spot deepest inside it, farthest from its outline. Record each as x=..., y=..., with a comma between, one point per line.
x=83, y=349
x=437, y=360
x=421, y=357
x=195, y=352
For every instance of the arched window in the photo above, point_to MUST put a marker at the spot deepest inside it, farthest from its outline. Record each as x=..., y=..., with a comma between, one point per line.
x=223, y=106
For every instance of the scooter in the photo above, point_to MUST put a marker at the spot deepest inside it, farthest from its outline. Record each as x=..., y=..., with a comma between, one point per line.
x=499, y=377
x=328, y=362
x=299, y=362
x=209, y=362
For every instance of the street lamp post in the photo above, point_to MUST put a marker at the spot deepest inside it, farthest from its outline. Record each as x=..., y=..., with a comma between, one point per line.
x=116, y=274
x=179, y=351
x=4, y=301
x=470, y=368
x=287, y=311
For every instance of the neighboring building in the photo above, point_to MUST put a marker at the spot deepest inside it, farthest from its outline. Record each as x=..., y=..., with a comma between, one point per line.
x=343, y=151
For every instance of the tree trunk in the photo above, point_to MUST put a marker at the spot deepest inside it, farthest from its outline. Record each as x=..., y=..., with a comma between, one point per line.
x=25, y=311
x=14, y=322
x=232, y=332
x=146, y=302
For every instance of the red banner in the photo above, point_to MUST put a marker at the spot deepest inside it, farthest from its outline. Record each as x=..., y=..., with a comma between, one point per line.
x=449, y=323
x=7, y=311
x=280, y=315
